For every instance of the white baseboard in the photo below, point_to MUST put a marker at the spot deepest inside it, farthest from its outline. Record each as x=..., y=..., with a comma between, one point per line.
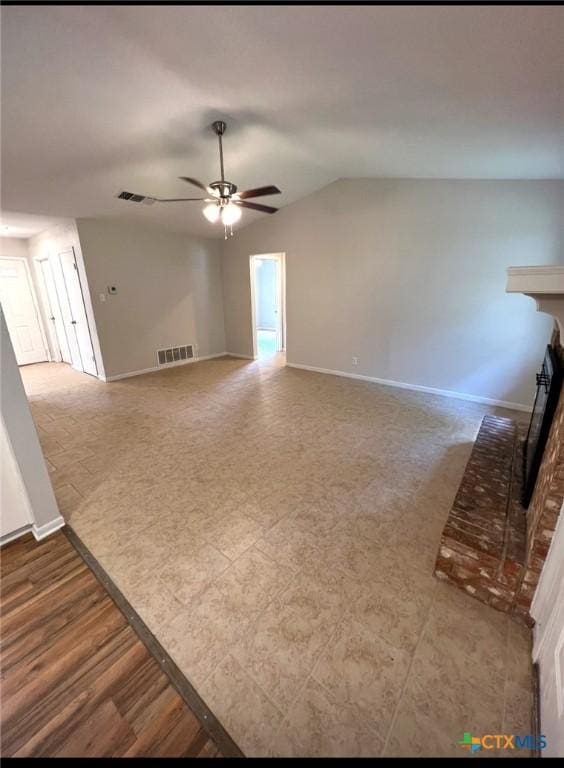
x=41, y=531
x=129, y=374
x=243, y=357
x=15, y=534
x=416, y=387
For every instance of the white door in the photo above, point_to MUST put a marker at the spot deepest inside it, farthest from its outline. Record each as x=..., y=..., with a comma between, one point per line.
x=20, y=312
x=55, y=311
x=66, y=312
x=78, y=321
x=278, y=304
x=548, y=647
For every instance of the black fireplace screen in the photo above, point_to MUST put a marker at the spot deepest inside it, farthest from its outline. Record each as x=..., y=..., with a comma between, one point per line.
x=549, y=383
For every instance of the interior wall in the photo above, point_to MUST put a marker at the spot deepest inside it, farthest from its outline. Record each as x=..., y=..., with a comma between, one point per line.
x=14, y=247
x=25, y=448
x=51, y=242
x=409, y=277
x=169, y=292
x=14, y=502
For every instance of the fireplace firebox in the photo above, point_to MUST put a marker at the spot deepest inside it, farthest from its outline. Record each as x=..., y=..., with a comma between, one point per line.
x=549, y=384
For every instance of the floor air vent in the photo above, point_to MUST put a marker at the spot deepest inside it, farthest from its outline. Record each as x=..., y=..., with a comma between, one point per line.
x=175, y=354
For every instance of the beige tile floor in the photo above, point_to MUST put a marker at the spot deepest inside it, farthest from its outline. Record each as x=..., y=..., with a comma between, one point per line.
x=277, y=529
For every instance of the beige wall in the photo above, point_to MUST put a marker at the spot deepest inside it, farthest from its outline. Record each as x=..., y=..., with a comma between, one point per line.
x=35, y=493
x=409, y=276
x=13, y=247
x=168, y=292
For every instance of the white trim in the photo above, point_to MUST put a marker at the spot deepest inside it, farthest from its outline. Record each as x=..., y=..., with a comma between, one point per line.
x=130, y=374
x=416, y=387
x=538, y=269
x=545, y=597
x=41, y=531
x=18, y=533
x=544, y=284
x=242, y=357
x=280, y=259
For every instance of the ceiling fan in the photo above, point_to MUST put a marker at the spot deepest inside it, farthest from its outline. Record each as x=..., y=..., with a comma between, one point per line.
x=224, y=202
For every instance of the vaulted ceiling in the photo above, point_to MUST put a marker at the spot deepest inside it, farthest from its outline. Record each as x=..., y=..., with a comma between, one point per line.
x=100, y=99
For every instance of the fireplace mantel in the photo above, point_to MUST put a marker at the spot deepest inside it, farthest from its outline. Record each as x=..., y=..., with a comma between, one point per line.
x=543, y=284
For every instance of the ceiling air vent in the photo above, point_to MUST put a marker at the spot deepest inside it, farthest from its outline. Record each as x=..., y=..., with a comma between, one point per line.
x=175, y=354
x=135, y=198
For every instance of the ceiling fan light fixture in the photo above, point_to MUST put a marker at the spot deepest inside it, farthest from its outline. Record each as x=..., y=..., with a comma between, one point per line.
x=224, y=202
x=230, y=214
x=211, y=212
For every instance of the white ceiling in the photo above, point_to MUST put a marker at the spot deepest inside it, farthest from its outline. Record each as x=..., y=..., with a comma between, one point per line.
x=24, y=224
x=100, y=99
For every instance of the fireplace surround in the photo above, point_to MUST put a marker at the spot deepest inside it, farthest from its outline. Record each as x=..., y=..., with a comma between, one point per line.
x=491, y=547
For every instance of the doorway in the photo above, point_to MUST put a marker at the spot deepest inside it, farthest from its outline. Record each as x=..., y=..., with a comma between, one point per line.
x=21, y=312
x=64, y=302
x=268, y=288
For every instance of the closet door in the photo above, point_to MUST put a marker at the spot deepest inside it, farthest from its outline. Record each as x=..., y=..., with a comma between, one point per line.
x=55, y=311
x=79, y=321
x=66, y=312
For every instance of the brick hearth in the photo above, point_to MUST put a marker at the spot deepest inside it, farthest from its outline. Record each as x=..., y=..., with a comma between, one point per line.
x=483, y=544
x=490, y=547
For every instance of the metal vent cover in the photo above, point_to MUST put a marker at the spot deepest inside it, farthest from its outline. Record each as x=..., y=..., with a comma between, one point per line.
x=175, y=354
x=133, y=198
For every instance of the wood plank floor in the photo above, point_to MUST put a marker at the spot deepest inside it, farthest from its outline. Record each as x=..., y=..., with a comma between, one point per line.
x=76, y=679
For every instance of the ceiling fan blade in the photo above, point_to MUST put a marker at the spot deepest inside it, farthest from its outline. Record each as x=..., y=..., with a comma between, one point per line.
x=255, y=206
x=195, y=182
x=180, y=199
x=258, y=192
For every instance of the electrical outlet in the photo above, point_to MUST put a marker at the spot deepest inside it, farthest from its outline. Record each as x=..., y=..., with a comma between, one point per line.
x=355, y=360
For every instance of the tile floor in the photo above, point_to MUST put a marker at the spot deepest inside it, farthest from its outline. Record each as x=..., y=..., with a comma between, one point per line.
x=277, y=530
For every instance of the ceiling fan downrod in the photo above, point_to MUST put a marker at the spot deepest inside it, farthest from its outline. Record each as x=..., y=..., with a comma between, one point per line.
x=224, y=189
x=219, y=127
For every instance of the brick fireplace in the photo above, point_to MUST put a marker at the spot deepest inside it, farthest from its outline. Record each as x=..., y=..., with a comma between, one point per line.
x=491, y=547
x=546, y=502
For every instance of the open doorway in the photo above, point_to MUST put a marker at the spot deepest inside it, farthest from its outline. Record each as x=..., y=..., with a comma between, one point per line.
x=268, y=289
x=43, y=290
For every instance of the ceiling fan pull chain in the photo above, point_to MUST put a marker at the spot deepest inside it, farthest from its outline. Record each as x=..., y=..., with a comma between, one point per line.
x=232, y=230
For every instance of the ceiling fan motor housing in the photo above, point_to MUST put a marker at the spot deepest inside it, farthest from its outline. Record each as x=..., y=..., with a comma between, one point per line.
x=225, y=189
x=219, y=127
